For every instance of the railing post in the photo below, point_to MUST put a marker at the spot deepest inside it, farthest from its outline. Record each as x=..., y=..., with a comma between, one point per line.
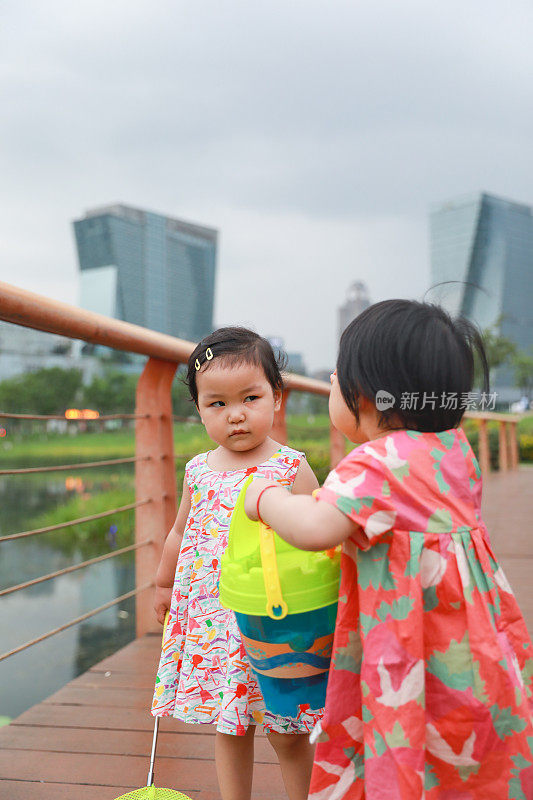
x=484, y=450
x=155, y=478
x=279, y=429
x=336, y=446
x=513, y=436
x=502, y=446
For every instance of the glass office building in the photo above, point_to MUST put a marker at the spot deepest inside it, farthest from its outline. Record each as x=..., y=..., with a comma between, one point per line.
x=485, y=243
x=148, y=269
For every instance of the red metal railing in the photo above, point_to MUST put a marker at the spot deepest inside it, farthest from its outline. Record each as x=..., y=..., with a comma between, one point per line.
x=155, y=485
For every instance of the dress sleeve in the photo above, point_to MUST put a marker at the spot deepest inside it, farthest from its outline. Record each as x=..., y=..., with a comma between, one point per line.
x=359, y=487
x=190, y=470
x=292, y=459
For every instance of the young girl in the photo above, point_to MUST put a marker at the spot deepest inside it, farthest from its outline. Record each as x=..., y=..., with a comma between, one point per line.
x=204, y=675
x=430, y=688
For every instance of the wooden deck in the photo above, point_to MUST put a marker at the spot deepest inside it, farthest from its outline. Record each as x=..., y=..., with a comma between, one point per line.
x=508, y=512
x=92, y=739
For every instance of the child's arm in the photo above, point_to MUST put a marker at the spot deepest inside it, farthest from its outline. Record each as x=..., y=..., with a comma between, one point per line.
x=305, y=481
x=302, y=521
x=164, y=579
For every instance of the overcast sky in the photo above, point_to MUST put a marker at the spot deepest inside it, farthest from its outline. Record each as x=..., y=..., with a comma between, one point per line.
x=313, y=135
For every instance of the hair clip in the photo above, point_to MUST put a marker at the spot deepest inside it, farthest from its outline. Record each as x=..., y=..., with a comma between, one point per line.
x=208, y=357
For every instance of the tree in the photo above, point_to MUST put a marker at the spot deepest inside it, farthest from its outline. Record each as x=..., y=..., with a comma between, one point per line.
x=111, y=393
x=114, y=393
x=45, y=391
x=523, y=371
x=182, y=404
x=318, y=404
x=499, y=349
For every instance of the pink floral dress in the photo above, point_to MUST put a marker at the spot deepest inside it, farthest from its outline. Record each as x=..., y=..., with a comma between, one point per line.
x=430, y=691
x=204, y=675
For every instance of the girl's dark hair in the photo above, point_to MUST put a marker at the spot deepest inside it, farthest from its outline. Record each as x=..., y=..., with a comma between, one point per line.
x=236, y=346
x=410, y=349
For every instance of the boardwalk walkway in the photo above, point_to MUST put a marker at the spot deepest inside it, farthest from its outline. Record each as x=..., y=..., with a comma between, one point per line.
x=92, y=738
x=508, y=512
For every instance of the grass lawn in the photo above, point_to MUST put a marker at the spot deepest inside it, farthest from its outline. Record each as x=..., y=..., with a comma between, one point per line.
x=311, y=435
x=91, y=446
x=105, y=488
x=189, y=438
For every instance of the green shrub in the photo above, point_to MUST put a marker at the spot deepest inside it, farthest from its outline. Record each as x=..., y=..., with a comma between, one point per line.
x=91, y=538
x=471, y=429
x=525, y=446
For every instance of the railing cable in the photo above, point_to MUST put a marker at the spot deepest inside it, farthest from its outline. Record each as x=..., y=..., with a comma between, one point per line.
x=101, y=418
x=74, y=567
x=78, y=521
x=82, y=465
x=184, y=456
x=77, y=620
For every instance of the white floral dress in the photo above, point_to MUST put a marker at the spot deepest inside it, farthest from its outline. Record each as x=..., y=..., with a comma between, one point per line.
x=204, y=675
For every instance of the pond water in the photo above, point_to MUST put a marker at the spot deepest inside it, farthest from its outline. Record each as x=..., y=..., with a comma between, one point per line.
x=32, y=675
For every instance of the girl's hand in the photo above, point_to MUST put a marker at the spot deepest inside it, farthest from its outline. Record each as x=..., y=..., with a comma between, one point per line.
x=253, y=492
x=163, y=596
x=298, y=518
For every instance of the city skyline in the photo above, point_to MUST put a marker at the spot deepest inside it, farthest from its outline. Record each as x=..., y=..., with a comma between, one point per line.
x=316, y=147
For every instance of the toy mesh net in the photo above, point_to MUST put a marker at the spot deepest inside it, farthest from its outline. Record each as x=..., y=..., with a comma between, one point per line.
x=151, y=793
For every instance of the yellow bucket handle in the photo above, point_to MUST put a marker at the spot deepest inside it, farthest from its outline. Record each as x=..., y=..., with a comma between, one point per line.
x=270, y=574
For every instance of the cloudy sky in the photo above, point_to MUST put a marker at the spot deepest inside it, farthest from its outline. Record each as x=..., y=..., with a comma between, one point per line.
x=313, y=134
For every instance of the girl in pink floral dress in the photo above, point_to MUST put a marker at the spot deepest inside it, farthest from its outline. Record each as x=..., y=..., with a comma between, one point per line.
x=430, y=690
x=204, y=675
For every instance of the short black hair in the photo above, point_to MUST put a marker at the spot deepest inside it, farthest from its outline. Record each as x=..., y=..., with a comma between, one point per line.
x=236, y=345
x=407, y=347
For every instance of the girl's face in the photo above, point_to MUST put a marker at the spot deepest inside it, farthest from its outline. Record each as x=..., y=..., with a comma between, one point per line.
x=368, y=427
x=341, y=416
x=236, y=404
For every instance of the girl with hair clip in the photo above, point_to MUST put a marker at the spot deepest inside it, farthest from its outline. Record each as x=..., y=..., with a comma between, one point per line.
x=430, y=690
x=204, y=675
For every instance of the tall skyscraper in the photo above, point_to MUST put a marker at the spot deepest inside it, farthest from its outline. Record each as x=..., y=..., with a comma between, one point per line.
x=356, y=301
x=486, y=244
x=148, y=269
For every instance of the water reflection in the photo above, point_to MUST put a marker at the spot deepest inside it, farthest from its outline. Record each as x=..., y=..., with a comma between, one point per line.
x=29, y=677
x=74, y=484
x=32, y=675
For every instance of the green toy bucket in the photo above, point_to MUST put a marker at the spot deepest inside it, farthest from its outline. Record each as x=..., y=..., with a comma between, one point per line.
x=285, y=603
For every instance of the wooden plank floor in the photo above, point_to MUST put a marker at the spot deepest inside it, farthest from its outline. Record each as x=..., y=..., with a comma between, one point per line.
x=507, y=509
x=92, y=739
